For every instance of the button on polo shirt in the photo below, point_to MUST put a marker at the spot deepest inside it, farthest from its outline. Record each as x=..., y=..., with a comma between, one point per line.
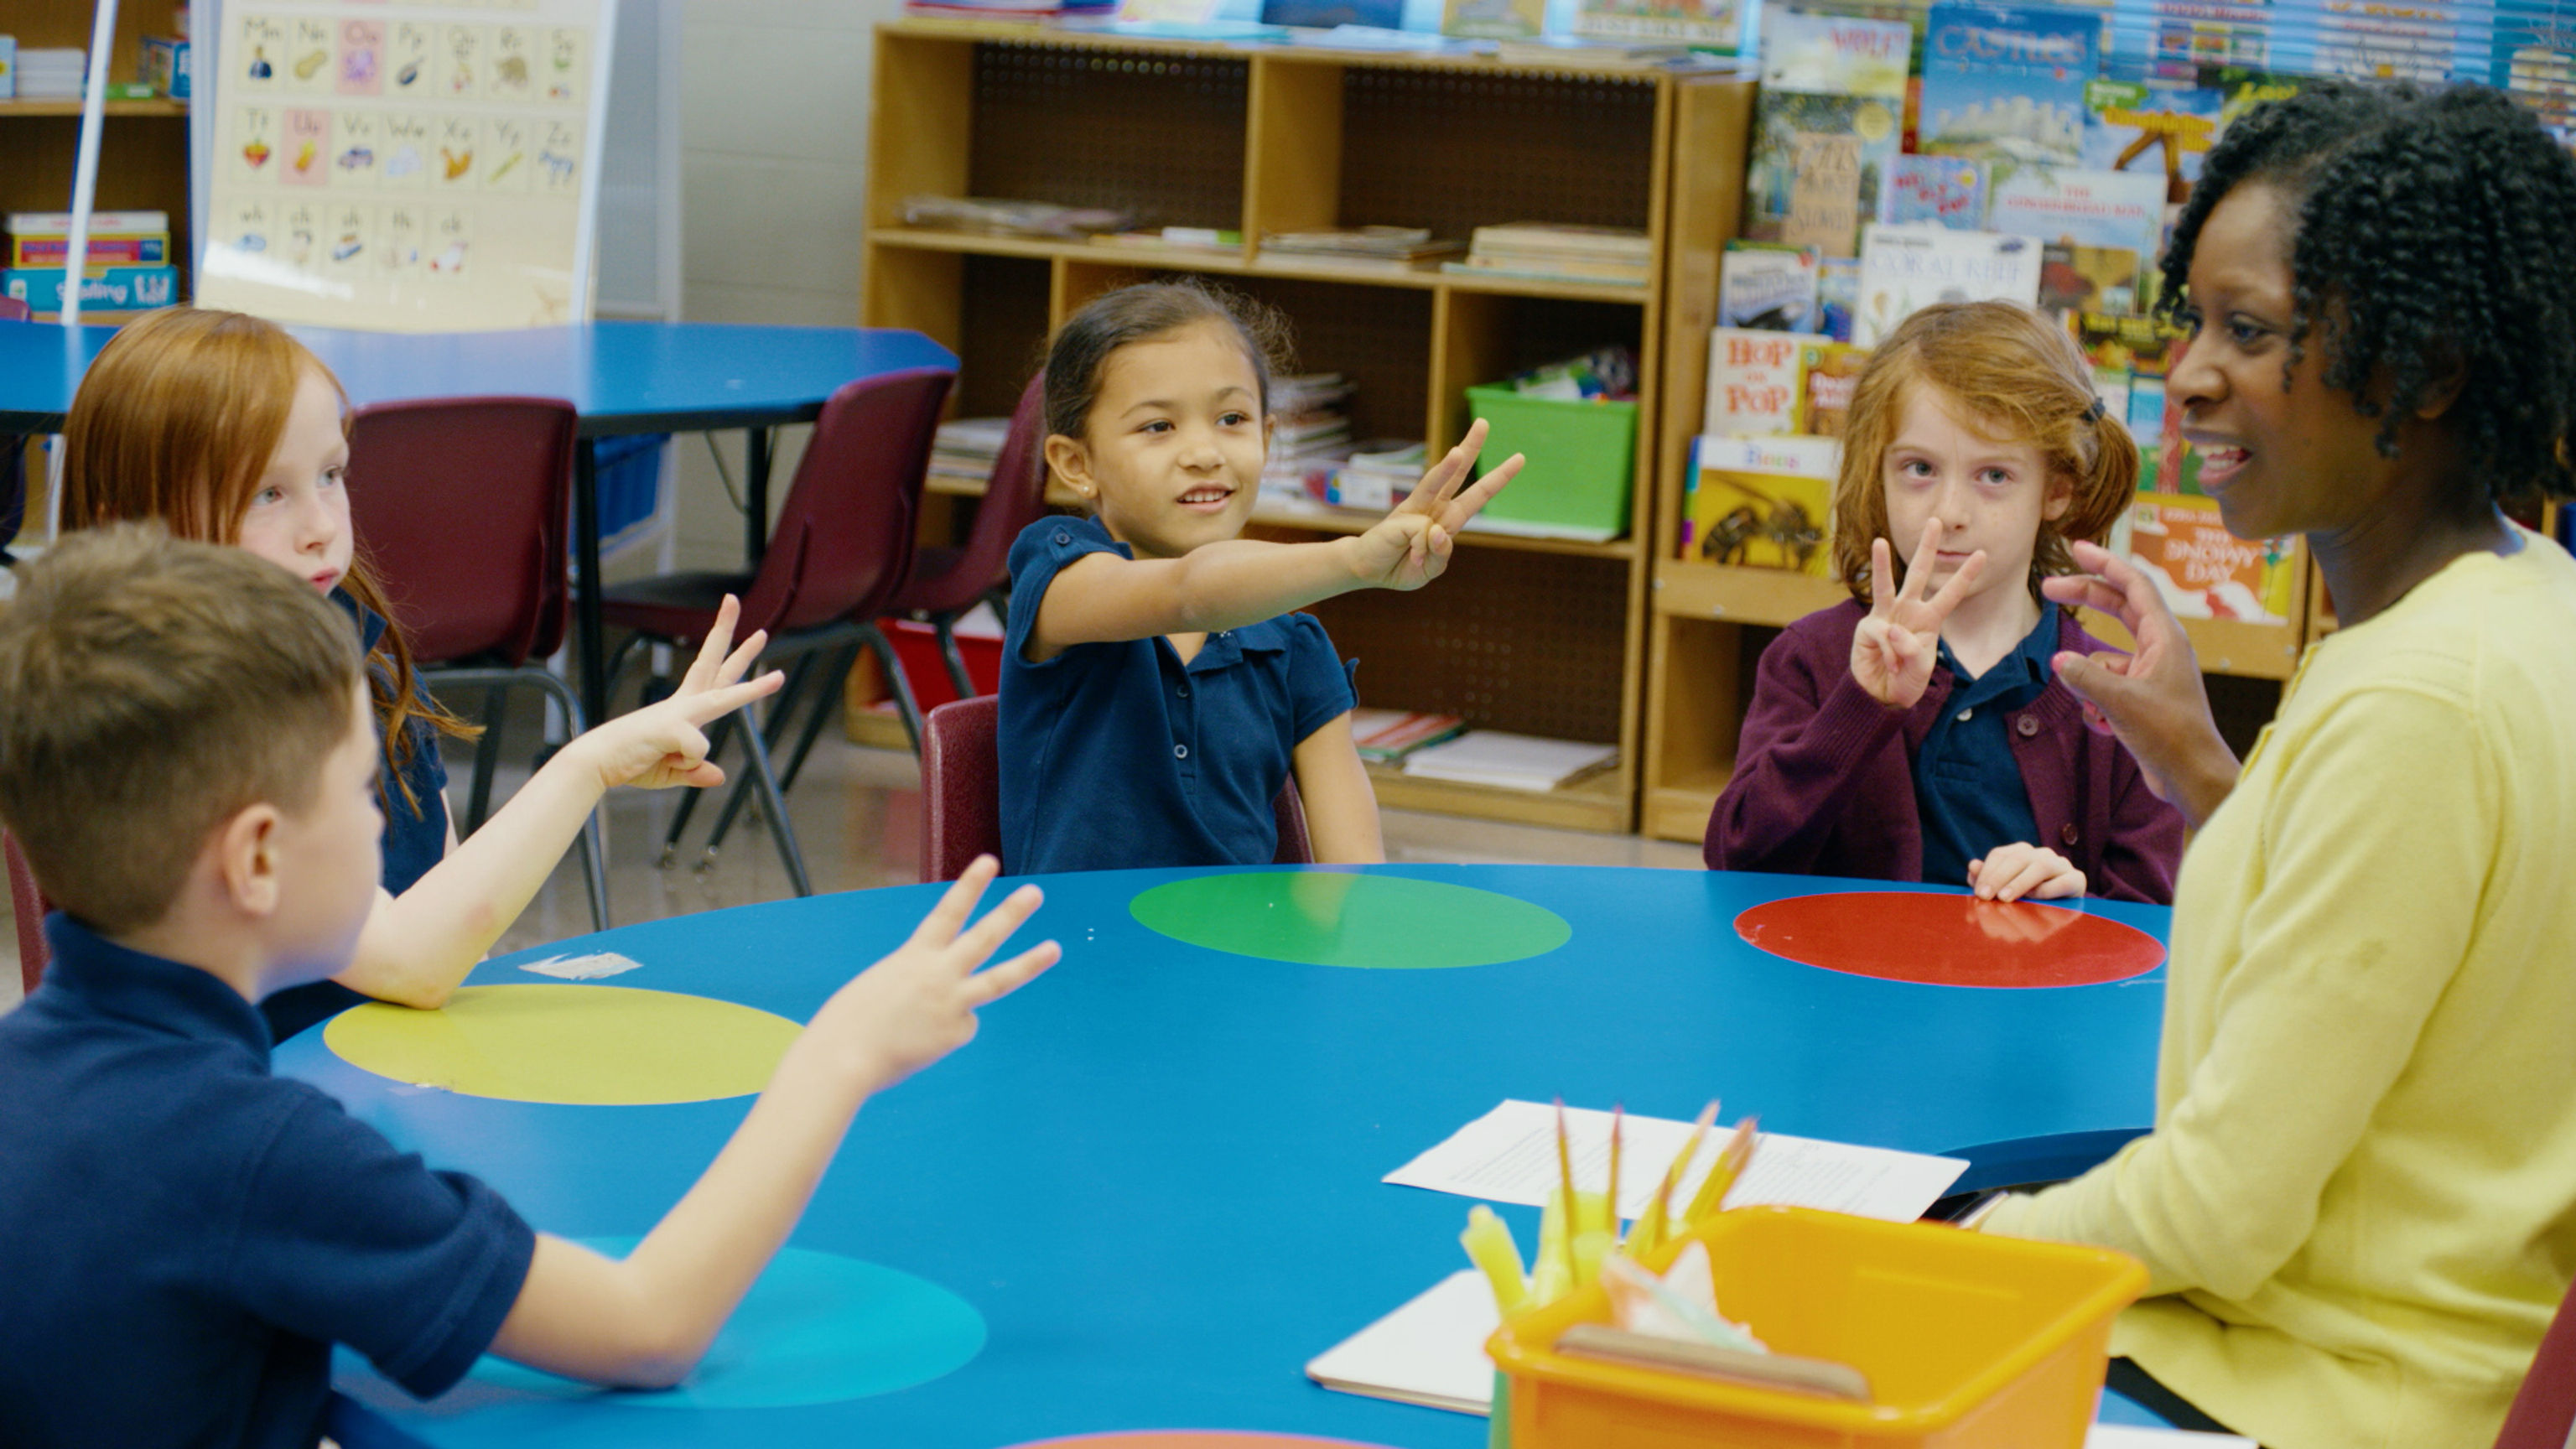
x=183, y=1236
x=1967, y=785
x=1119, y=754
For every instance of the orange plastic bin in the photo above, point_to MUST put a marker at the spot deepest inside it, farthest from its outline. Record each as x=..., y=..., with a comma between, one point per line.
x=1968, y=1342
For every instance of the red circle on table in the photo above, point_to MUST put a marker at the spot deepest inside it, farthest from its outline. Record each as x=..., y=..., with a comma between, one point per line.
x=1193, y=1439
x=1947, y=940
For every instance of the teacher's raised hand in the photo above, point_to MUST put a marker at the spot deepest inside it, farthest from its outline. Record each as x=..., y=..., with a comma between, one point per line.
x=2154, y=699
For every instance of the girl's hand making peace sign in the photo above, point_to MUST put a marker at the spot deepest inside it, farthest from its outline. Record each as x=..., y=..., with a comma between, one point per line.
x=1410, y=546
x=1894, y=648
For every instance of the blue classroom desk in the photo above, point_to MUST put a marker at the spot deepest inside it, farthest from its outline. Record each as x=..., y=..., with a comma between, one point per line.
x=621, y=377
x=1155, y=1173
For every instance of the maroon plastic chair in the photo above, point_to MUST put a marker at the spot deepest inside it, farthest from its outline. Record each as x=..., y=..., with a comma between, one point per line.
x=841, y=550
x=948, y=582
x=961, y=806
x=463, y=507
x=2544, y=1410
x=28, y=904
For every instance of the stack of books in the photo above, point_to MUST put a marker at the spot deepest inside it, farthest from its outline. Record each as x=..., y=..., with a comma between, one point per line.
x=126, y=267
x=1310, y=432
x=1386, y=736
x=1364, y=247
x=1508, y=761
x=52, y=74
x=1379, y=475
x=965, y=449
x=1614, y=255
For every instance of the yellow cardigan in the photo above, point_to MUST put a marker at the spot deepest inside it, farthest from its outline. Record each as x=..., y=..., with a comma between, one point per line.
x=2358, y=1208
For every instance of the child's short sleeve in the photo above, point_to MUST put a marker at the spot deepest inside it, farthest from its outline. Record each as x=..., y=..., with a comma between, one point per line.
x=1319, y=684
x=343, y=1238
x=1042, y=551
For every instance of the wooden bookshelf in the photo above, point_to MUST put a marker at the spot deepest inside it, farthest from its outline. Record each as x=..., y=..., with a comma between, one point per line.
x=1540, y=636
x=143, y=149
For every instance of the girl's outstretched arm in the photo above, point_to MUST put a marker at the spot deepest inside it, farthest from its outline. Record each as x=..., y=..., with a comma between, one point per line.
x=1102, y=598
x=416, y=946
x=1341, y=807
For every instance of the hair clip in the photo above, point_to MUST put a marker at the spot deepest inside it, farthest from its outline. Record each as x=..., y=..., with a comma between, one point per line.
x=2094, y=413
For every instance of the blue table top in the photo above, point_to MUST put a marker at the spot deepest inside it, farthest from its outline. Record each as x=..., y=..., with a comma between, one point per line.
x=1155, y=1173
x=623, y=377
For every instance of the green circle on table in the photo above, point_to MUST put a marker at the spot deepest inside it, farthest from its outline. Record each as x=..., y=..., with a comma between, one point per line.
x=1336, y=918
x=580, y=1045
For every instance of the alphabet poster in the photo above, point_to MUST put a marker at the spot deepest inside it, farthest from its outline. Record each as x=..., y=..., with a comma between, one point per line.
x=425, y=168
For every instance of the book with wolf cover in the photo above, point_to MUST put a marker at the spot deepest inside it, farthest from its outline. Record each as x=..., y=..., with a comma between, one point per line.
x=1761, y=502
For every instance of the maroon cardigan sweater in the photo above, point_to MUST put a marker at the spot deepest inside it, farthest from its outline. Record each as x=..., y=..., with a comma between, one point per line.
x=1824, y=775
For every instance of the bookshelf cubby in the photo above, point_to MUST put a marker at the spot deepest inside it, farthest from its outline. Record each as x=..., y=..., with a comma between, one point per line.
x=143, y=150
x=1536, y=635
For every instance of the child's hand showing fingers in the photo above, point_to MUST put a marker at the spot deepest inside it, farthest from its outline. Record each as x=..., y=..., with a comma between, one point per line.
x=2020, y=871
x=665, y=744
x=918, y=1004
x=1893, y=650
x=1410, y=546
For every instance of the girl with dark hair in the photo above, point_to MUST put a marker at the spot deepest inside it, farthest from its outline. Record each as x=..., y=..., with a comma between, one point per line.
x=1157, y=687
x=2358, y=1205
x=1912, y=733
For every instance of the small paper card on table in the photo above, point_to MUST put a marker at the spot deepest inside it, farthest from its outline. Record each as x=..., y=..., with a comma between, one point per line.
x=1429, y=1352
x=1509, y=1155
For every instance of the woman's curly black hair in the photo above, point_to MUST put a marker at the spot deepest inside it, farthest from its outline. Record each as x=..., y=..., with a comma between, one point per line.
x=2437, y=239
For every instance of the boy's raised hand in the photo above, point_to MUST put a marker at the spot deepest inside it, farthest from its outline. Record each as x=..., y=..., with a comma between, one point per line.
x=1893, y=650
x=1410, y=546
x=665, y=743
x=918, y=1004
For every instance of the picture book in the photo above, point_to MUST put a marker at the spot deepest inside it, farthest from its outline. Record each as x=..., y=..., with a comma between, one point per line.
x=2202, y=570
x=1827, y=127
x=1761, y=503
x=1492, y=19
x=1325, y=14
x=2126, y=342
x=2073, y=278
x=2105, y=211
x=2006, y=82
x=1752, y=382
x=2143, y=126
x=1837, y=297
x=1903, y=268
x=1827, y=373
x=2241, y=88
x=1946, y=190
x=1717, y=25
x=1391, y=734
x=1767, y=285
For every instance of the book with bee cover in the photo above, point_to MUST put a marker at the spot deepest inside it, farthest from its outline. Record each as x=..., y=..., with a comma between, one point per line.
x=1761, y=502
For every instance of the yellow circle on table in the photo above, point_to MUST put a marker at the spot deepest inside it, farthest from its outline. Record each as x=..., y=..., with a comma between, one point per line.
x=581, y=1045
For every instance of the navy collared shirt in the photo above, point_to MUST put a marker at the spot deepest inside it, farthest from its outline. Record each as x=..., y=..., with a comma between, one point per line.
x=1967, y=784
x=184, y=1236
x=415, y=838
x=1118, y=754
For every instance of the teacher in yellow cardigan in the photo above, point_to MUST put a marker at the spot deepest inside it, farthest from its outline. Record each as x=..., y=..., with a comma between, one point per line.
x=2358, y=1205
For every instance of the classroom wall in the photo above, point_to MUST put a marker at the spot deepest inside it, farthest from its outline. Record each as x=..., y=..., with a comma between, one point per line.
x=773, y=143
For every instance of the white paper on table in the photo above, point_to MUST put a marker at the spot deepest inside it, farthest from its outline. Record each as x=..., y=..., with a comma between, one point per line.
x=1509, y=1155
x=1429, y=1352
x=2129, y=1436
x=582, y=968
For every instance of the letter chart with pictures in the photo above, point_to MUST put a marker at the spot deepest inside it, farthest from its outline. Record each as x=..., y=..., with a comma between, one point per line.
x=407, y=167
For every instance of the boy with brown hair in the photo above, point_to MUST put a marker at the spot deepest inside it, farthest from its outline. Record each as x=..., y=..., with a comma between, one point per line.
x=188, y=759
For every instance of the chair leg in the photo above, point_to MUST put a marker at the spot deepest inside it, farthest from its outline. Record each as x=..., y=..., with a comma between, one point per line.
x=593, y=839
x=781, y=705
x=487, y=755
x=774, y=803
x=822, y=715
x=883, y=648
x=954, y=657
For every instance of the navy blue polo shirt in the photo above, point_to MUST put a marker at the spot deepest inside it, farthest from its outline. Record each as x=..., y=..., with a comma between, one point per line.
x=415, y=839
x=1117, y=755
x=1967, y=784
x=184, y=1236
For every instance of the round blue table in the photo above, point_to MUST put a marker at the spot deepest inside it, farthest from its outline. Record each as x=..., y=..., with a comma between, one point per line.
x=1155, y=1173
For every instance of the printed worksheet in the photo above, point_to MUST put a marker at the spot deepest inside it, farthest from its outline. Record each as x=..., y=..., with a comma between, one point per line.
x=406, y=167
x=1509, y=1155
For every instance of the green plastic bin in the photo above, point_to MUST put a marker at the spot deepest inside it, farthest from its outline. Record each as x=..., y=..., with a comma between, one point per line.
x=1582, y=458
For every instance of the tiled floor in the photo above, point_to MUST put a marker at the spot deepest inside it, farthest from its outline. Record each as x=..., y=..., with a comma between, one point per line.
x=858, y=817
